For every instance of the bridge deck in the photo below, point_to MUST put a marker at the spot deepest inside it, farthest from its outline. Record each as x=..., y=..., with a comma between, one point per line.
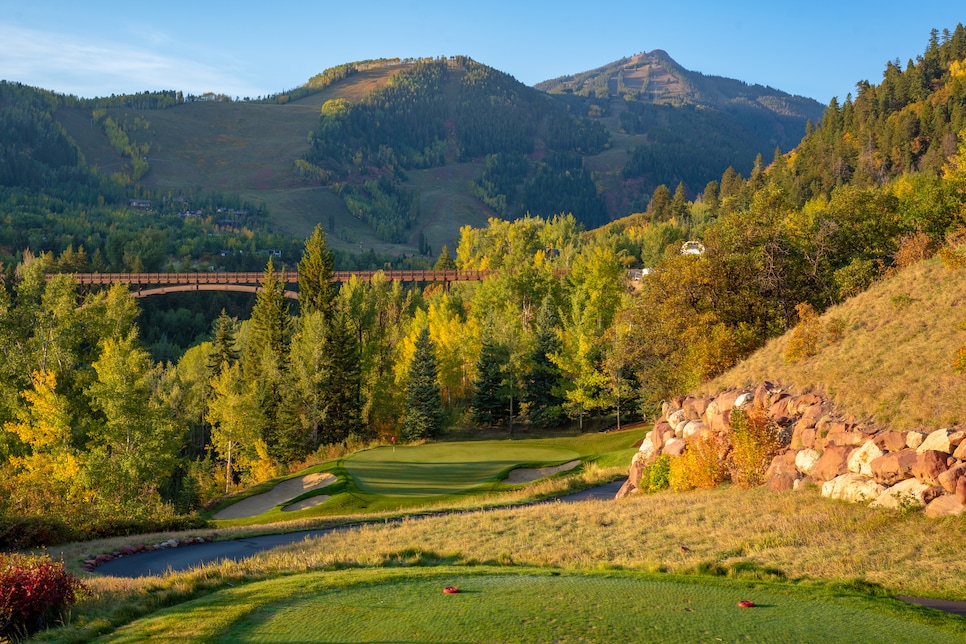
x=187, y=279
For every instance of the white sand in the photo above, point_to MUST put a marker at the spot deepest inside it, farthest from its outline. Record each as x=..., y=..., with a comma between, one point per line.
x=284, y=491
x=529, y=474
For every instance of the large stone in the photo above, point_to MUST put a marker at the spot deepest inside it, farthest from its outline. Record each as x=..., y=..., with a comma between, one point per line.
x=726, y=399
x=904, y=494
x=782, y=464
x=783, y=482
x=677, y=421
x=657, y=435
x=674, y=446
x=806, y=459
x=694, y=408
x=833, y=462
x=744, y=400
x=890, y=441
x=860, y=459
x=929, y=465
x=852, y=487
x=779, y=409
x=802, y=403
x=950, y=477
x=892, y=467
x=627, y=489
x=766, y=394
x=960, y=452
x=720, y=422
x=940, y=440
x=692, y=428
x=845, y=434
x=944, y=506
x=961, y=490
x=914, y=439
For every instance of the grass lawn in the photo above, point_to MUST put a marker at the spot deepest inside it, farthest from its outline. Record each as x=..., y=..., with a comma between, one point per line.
x=502, y=604
x=457, y=474
x=444, y=468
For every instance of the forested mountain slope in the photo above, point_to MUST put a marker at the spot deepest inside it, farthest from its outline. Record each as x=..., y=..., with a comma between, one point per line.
x=395, y=156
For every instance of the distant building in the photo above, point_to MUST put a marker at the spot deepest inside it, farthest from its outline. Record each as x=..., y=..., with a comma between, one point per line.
x=140, y=204
x=692, y=248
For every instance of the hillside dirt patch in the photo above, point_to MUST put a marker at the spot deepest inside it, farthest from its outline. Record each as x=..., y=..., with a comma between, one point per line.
x=284, y=491
x=530, y=474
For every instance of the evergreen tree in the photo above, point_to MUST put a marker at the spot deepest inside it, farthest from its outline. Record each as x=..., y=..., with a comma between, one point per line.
x=491, y=403
x=445, y=261
x=265, y=362
x=542, y=385
x=315, y=274
x=424, y=404
x=224, y=352
x=343, y=382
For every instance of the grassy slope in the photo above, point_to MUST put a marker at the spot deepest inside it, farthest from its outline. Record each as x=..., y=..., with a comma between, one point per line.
x=528, y=605
x=893, y=365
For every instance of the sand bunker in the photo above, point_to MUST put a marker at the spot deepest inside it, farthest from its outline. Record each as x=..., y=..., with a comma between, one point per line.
x=529, y=474
x=310, y=502
x=284, y=491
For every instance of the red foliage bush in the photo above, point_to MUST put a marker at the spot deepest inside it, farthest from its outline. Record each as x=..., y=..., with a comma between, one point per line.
x=34, y=592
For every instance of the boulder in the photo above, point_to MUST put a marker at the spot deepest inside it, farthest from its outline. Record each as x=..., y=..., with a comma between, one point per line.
x=802, y=403
x=931, y=493
x=929, y=465
x=940, y=440
x=726, y=399
x=860, y=459
x=914, y=439
x=657, y=435
x=677, y=421
x=674, y=446
x=845, y=434
x=783, y=482
x=833, y=462
x=961, y=490
x=892, y=467
x=626, y=489
x=692, y=428
x=779, y=409
x=890, y=441
x=960, y=452
x=744, y=399
x=694, y=408
x=763, y=394
x=904, y=494
x=782, y=464
x=944, y=506
x=806, y=459
x=721, y=421
x=807, y=437
x=852, y=487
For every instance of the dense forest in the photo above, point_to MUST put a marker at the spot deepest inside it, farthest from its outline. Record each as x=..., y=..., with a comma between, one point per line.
x=98, y=432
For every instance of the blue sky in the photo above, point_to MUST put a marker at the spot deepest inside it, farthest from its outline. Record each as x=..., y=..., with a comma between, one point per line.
x=818, y=49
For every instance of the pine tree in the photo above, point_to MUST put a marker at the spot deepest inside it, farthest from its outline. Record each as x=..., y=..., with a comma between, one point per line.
x=424, y=405
x=490, y=404
x=542, y=384
x=315, y=275
x=224, y=352
x=343, y=383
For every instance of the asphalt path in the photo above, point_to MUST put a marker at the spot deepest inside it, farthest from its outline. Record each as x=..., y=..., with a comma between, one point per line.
x=158, y=562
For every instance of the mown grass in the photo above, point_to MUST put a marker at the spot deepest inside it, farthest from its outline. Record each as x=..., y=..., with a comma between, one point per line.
x=530, y=605
x=451, y=475
x=893, y=364
x=798, y=538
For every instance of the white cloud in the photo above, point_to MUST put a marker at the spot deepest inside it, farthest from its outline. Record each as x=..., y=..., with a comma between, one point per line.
x=70, y=65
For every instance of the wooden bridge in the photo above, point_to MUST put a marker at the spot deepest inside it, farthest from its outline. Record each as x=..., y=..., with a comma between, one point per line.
x=147, y=284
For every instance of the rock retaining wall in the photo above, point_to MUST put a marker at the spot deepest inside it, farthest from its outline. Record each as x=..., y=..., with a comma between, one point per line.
x=847, y=460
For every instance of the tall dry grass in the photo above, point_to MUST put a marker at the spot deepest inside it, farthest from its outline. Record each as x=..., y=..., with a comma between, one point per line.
x=885, y=356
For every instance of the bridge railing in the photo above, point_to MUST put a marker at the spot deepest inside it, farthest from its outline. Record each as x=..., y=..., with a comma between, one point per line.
x=255, y=278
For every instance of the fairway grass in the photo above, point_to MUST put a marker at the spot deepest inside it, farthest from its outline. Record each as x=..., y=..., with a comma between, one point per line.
x=444, y=468
x=502, y=604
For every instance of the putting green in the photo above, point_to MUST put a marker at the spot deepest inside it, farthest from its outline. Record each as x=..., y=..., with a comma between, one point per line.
x=443, y=468
x=532, y=605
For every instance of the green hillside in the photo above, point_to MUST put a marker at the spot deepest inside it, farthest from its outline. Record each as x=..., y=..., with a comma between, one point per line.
x=395, y=156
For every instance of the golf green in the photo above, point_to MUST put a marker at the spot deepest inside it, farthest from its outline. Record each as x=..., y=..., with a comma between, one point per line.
x=531, y=605
x=443, y=468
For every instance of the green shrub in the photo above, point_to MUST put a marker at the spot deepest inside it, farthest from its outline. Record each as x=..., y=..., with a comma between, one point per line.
x=803, y=341
x=34, y=593
x=657, y=475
